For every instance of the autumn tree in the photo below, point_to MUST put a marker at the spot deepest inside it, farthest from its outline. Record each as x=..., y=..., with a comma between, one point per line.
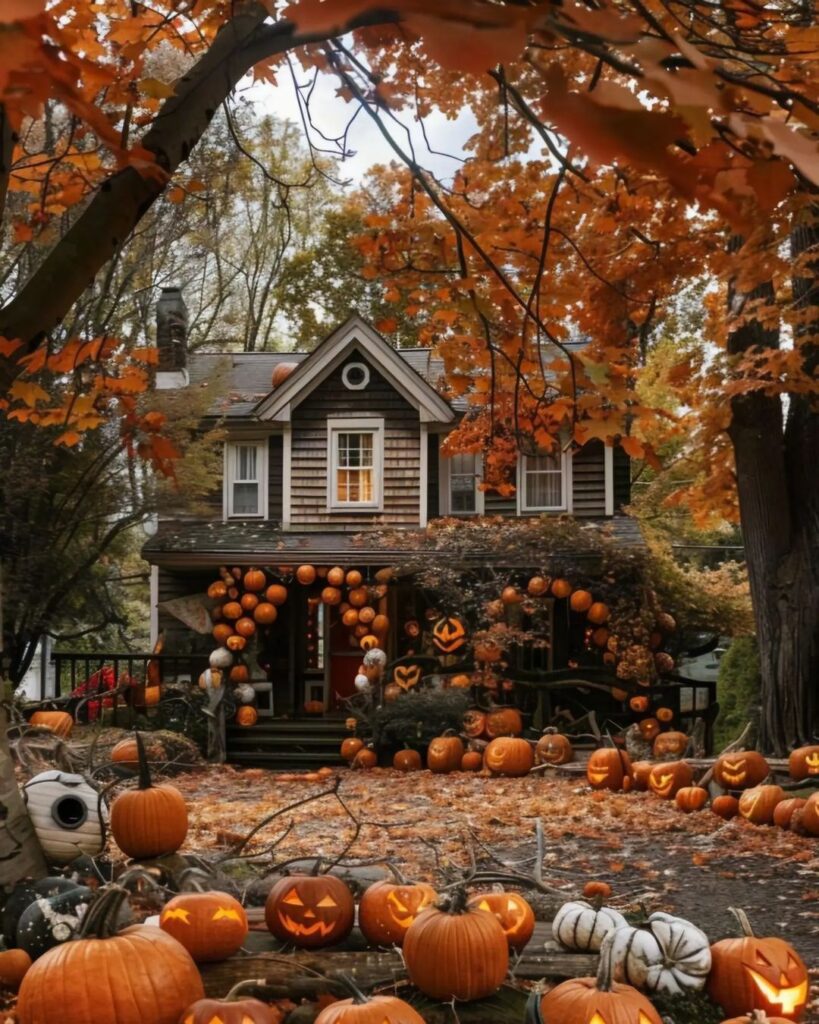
x=620, y=151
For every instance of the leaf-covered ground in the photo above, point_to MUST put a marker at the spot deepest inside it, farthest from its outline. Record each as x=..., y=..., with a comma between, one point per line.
x=651, y=853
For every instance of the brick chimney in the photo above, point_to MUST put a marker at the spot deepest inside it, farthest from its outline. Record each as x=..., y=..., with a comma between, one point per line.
x=172, y=330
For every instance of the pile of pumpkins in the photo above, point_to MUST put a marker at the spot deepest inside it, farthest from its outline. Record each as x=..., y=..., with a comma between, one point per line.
x=751, y=978
x=743, y=773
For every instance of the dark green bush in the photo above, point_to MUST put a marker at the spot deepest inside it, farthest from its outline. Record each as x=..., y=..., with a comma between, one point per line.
x=737, y=689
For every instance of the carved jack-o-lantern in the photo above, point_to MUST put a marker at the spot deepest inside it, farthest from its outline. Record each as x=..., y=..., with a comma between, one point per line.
x=741, y=770
x=310, y=911
x=758, y=974
x=210, y=925
x=514, y=913
x=387, y=910
x=804, y=763
x=65, y=812
x=231, y=1010
x=609, y=768
x=664, y=780
x=407, y=676
x=554, y=748
x=449, y=634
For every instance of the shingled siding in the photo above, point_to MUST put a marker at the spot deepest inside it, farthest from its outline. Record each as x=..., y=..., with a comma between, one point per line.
x=589, y=481
x=309, y=456
x=274, y=478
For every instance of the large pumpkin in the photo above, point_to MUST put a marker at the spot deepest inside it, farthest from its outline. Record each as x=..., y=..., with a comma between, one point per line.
x=609, y=768
x=804, y=763
x=667, y=955
x=514, y=913
x=503, y=722
x=758, y=804
x=749, y=973
x=785, y=810
x=387, y=909
x=136, y=976
x=508, y=755
x=456, y=952
x=665, y=779
x=59, y=722
x=449, y=634
x=554, y=748
x=210, y=925
x=444, y=754
x=742, y=770
x=149, y=821
x=597, y=1001
x=310, y=911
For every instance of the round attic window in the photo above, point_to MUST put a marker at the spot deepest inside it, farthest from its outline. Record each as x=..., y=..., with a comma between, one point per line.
x=355, y=376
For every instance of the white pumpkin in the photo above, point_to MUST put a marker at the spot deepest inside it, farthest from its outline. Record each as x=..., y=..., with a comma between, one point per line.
x=375, y=658
x=220, y=658
x=244, y=693
x=67, y=815
x=361, y=683
x=580, y=926
x=669, y=955
x=211, y=678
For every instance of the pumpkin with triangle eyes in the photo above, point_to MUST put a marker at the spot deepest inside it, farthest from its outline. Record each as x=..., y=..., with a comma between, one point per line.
x=750, y=973
x=388, y=909
x=804, y=763
x=210, y=925
x=310, y=911
x=514, y=913
x=449, y=634
x=230, y=1010
x=375, y=1010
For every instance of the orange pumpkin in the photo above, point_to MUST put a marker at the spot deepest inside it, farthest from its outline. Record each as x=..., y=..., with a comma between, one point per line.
x=246, y=715
x=387, y=910
x=126, y=753
x=335, y=576
x=217, y=591
x=380, y=625
x=245, y=627
x=691, y=798
x=809, y=815
x=254, y=580
x=306, y=575
x=595, y=890
x=514, y=913
x=232, y=610
x=537, y=586
x=276, y=594
x=580, y=601
x=597, y=1001
x=407, y=761
x=639, y=704
x=58, y=722
x=725, y=807
x=666, y=778
x=444, y=754
x=503, y=722
x=236, y=643
x=265, y=613
x=449, y=634
x=508, y=756
x=460, y=681
x=310, y=911
x=364, y=759
x=368, y=642
x=350, y=618
x=211, y=925
x=511, y=595
x=314, y=707
x=804, y=763
x=741, y=770
x=640, y=773
x=609, y=768
x=353, y=579
x=664, y=715
x=221, y=632
x=600, y=636
x=14, y=963
x=248, y=602
x=331, y=596
x=239, y=674
x=351, y=746
x=472, y=761
x=561, y=589
x=670, y=744
x=598, y=613
x=361, y=1010
x=554, y=748
x=785, y=810
x=366, y=615
x=758, y=804
x=358, y=597
x=649, y=728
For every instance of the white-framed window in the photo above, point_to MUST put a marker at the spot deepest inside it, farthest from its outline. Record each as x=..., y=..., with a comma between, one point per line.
x=245, y=488
x=460, y=476
x=355, y=464
x=542, y=482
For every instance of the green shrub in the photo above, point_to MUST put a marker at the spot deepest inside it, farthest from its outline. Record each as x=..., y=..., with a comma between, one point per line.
x=737, y=689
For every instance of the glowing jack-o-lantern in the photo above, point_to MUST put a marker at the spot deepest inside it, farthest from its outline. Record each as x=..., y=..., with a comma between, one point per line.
x=741, y=770
x=310, y=911
x=750, y=973
x=375, y=1010
x=804, y=763
x=407, y=676
x=664, y=780
x=514, y=913
x=449, y=634
x=609, y=768
x=210, y=925
x=231, y=1010
x=387, y=910
x=554, y=748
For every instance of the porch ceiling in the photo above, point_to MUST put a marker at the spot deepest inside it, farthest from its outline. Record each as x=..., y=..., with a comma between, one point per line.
x=191, y=544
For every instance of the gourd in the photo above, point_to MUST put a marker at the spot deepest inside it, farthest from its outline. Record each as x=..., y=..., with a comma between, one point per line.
x=582, y=926
x=668, y=955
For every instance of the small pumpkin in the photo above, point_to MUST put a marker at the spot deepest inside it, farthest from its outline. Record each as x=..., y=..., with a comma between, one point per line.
x=407, y=676
x=236, y=642
x=785, y=810
x=553, y=748
x=537, y=586
x=335, y=577
x=664, y=715
x=666, y=778
x=609, y=768
x=265, y=613
x=125, y=753
x=453, y=951
x=649, y=728
x=444, y=754
x=561, y=589
x=231, y=1010
x=375, y=1010
x=691, y=798
x=503, y=722
x=581, y=601
x=14, y=963
x=508, y=755
x=387, y=909
x=149, y=821
x=750, y=973
x=461, y=681
x=757, y=1017
x=211, y=925
x=364, y=759
x=232, y=610
x=407, y=760
x=162, y=979
x=474, y=723
x=598, y=613
x=809, y=815
x=514, y=913
x=58, y=722
x=351, y=746
x=583, y=926
x=314, y=707
x=221, y=631
x=725, y=807
x=276, y=594
x=742, y=770
x=217, y=591
x=472, y=761
x=306, y=575
x=511, y=595
x=246, y=716
x=254, y=580
x=804, y=763
x=640, y=772
x=758, y=804
x=596, y=890
x=639, y=704
x=670, y=744
x=310, y=911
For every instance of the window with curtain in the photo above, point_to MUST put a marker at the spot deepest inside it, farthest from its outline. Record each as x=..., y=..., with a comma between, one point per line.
x=245, y=479
x=463, y=484
x=543, y=483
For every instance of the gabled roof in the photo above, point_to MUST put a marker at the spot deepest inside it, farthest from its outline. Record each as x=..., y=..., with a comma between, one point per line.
x=355, y=334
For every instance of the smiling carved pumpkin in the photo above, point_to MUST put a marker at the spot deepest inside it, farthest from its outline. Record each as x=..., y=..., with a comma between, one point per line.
x=554, y=748
x=388, y=909
x=664, y=780
x=210, y=925
x=449, y=634
x=310, y=911
x=741, y=770
x=514, y=913
x=609, y=768
x=804, y=763
x=750, y=973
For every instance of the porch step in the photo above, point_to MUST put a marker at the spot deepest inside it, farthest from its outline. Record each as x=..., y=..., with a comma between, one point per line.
x=282, y=743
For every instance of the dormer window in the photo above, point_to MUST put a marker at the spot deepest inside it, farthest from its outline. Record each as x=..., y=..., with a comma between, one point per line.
x=246, y=480
x=356, y=464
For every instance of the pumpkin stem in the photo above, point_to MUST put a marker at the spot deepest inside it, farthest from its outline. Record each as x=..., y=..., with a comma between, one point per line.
x=358, y=996
x=550, y=730
x=233, y=995
x=742, y=921
x=144, y=771
x=100, y=920
x=454, y=902
x=605, y=969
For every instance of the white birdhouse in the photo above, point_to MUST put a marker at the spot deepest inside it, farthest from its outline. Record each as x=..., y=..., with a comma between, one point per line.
x=67, y=814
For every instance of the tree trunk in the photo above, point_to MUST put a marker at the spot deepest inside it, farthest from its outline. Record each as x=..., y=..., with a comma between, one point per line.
x=20, y=853
x=778, y=487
